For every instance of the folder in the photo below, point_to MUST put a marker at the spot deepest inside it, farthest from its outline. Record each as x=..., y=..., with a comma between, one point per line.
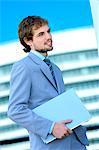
x=64, y=106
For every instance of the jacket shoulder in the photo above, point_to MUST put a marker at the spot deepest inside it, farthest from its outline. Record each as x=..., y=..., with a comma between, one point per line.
x=22, y=62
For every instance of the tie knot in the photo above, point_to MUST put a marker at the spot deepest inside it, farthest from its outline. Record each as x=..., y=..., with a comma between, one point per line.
x=47, y=61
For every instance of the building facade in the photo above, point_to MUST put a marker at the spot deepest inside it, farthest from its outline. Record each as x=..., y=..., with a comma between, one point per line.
x=75, y=52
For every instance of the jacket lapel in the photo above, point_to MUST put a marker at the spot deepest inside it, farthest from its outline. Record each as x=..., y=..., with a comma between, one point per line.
x=57, y=79
x=44, y=68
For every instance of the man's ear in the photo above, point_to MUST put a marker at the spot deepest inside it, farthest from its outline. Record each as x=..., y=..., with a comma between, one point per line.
x=28, y=42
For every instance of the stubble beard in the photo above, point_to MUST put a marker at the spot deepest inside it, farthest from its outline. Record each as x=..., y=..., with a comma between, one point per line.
x=44, y=50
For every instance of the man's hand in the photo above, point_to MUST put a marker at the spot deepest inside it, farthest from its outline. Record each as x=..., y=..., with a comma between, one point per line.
x=60, y=130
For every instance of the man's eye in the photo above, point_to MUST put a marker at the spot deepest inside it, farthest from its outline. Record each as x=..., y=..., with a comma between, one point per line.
x=49, y=31
x=40, y=34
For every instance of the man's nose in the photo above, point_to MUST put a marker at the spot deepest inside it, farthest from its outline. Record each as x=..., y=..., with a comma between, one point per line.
x=48, y=36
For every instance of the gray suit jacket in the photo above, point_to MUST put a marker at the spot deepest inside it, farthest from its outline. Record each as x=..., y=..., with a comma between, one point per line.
x=32, y=85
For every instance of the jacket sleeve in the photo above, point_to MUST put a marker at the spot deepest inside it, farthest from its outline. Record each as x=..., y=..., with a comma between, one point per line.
x=18, y=110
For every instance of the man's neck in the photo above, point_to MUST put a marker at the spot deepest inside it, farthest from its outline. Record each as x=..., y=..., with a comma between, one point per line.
x=45, y=54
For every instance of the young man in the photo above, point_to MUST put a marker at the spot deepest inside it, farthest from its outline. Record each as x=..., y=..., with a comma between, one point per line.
x=34, y=82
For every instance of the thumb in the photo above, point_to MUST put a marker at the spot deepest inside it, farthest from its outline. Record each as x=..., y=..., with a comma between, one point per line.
x=67, y=121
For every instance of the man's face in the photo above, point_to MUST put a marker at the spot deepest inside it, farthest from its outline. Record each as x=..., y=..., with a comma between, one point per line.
x=42, y=39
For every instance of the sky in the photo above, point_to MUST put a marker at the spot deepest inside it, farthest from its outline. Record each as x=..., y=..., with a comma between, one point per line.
x=61, y=14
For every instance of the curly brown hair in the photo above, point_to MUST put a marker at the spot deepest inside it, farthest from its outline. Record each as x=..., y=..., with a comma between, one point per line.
x=26, y=28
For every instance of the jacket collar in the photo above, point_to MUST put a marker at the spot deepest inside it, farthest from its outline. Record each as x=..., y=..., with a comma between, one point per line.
x=44, y=68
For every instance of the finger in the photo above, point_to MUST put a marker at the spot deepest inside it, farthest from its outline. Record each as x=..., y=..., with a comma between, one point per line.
x=66, y=134
x=69, y=130
x=67, y=121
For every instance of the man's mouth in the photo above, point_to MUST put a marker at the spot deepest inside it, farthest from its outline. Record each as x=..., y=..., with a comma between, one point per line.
x=49, y=43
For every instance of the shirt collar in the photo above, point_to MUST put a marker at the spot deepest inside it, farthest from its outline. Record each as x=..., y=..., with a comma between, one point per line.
x=39, y=55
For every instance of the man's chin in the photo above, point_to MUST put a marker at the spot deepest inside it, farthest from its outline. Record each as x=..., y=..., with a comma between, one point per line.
x=45, y=50
x=49, y=49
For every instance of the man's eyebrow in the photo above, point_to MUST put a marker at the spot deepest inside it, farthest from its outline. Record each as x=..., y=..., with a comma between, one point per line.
x=41, y=32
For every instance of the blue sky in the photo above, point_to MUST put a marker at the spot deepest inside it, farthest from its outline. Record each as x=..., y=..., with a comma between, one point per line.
x=62, y=14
